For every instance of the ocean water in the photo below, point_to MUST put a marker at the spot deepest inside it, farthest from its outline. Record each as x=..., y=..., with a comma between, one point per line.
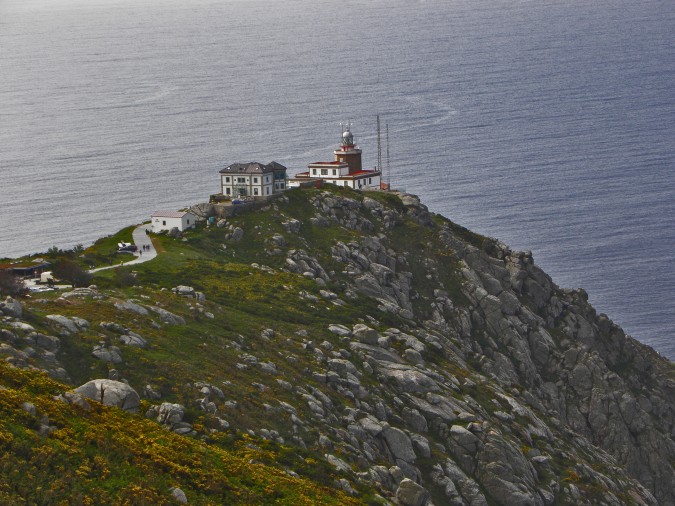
x=549, y=125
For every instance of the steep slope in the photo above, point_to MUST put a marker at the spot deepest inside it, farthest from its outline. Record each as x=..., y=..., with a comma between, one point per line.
x=363, y=332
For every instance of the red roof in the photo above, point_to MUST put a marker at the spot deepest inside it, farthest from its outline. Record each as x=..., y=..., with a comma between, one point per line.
x=362, y=172
x=359, y=174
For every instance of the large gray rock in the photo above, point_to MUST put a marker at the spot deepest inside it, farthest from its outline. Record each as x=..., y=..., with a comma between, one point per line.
x=113, y=327
x=170, y=414
x=178, y=495
x=81, y=323
x=107, y=354
x=49, y=343
x=365, y=334
x=65, y=326
x=111, y=393
x=237, y=234
x=167, y=316
x=292, y=225
x=410, y=493
x=22, y=326
x=128, y=305
x=342, y=367
x=184, y=290
x=12, y=307
x=506, y=474
x=464, y=438
x=134, y=340
x=399, y=444
x=406, y=378
x=339, y=330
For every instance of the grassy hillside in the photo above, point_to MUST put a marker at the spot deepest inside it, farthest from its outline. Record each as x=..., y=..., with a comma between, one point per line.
x=106, y=456
x=329, y=345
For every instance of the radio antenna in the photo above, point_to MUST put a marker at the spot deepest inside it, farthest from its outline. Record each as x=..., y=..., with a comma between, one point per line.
x=379, y=145
x=388, y=166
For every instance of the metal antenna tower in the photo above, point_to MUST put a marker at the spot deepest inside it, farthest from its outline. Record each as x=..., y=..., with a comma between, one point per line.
x=388, y=166
x=379, y=145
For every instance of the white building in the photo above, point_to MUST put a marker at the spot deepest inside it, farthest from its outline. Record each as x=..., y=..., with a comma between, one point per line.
x=166, y=220
x=252, y=179
x=345, y=170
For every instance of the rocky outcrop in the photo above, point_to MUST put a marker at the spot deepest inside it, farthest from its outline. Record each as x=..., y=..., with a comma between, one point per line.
x=67, y=326
x=110, y=354
x=129, y=305
x=111, y=393
x=546, y=367
x=167, y=316
x=11, y=307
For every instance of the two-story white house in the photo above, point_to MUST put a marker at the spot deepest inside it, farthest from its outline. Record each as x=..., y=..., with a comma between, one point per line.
x=252, y=179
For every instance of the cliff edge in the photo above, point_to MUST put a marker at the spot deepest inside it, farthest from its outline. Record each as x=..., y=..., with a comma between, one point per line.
x=420, y=363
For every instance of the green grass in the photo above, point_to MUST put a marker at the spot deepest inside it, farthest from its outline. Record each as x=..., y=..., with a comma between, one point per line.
x=106, y=456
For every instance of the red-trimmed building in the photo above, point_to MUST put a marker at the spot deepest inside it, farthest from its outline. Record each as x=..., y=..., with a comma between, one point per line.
x=345, y=170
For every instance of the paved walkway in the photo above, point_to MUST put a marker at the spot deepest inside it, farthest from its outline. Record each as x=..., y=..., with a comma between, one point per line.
x=140, y=239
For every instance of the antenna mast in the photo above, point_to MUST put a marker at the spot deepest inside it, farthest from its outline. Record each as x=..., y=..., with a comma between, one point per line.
x=388, y=167
x=379, y=145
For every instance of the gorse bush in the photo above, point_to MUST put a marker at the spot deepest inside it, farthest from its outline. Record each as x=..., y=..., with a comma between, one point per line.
x=11, y=285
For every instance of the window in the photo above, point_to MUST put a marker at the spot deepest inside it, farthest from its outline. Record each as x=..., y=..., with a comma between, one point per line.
x=314, y=171
x=255, y=179
x=334, y=172
x=227, y=191
x=268, y=191
x=370, y=180
x=227, y=179
x=346, y=183
x=164, y=222
x=188, y=222
x=241, y=180
x=324, y=172
x=255, y=191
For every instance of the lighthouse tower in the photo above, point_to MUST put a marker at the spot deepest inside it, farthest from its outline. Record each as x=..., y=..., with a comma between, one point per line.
x=348, y=153
x=346, y=170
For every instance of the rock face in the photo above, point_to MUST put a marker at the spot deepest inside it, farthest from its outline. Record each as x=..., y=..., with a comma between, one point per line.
x=547, y=371
x=111, y=393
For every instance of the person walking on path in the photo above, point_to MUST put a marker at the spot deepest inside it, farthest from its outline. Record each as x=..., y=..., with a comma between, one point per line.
x=141, y=238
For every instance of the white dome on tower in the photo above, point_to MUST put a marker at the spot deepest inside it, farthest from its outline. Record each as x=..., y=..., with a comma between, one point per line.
x=347, y=138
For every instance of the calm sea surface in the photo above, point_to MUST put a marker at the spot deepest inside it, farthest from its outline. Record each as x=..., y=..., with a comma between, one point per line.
x=549, y=125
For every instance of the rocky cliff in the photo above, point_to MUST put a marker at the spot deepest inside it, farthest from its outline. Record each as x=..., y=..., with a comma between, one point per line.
x=414, y=357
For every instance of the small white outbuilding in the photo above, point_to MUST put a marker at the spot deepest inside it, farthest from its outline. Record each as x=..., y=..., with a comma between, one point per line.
x=166, y=220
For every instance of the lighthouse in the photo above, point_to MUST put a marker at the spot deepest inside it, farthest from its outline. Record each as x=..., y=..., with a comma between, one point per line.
x=345, y=170
x=348, y=153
